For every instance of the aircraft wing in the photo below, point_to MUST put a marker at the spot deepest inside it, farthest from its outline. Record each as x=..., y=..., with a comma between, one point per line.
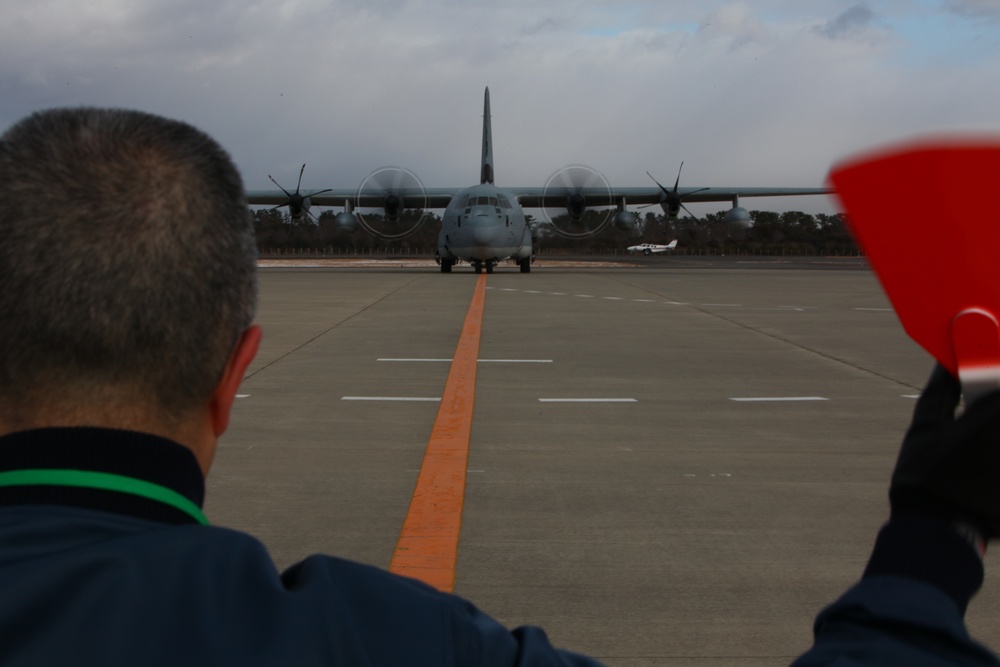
x=413, y=198
x=597, y=196
x=528, y=197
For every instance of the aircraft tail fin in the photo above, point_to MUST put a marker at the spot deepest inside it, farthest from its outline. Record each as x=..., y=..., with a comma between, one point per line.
x=672, y=245
x=486, y=170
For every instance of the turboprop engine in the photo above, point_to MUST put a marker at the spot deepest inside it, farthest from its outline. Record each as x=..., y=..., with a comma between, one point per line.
x=297, y=203
x=672, y=201
x=391, y=187
x=576, y=200
x=392, y=204
x=576, y=204
x=398, y=194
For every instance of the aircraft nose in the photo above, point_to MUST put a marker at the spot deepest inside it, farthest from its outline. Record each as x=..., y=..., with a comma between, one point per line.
x=482, y=231
x=482, y=234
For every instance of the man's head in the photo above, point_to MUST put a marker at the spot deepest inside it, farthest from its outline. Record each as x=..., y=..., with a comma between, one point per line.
x=127, y=269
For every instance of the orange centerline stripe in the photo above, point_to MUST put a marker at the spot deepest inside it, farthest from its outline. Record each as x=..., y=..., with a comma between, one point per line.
x=428, y=543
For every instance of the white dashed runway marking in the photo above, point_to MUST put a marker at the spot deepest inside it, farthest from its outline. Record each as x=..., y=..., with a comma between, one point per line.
x=786, y=309
x=777, y=399
x=587, y=400
x=482, y=361
x=610, y=400
x=415, y=399
x=515, y=361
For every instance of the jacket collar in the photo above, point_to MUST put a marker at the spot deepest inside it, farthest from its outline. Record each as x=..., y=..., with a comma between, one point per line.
x=125, y=472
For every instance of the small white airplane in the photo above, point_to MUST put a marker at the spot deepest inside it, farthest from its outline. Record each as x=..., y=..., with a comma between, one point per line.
x=650, y=248
x=484, y=224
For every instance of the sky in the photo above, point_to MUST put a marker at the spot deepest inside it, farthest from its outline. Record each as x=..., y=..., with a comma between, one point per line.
x=753, y=93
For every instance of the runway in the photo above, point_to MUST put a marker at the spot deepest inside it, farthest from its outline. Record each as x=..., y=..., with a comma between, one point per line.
x=676, y=463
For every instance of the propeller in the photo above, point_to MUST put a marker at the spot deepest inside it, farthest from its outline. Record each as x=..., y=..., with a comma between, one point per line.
x=389, y=189
x=297, y=203
x=577, y=187
x=671, y=200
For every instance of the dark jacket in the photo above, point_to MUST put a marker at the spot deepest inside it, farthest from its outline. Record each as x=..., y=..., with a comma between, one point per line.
x=104, y=561
x=92, y=575
x=908, y=609
x=886, y=620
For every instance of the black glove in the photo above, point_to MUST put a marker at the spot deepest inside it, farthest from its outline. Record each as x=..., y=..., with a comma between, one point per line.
x=948, y=468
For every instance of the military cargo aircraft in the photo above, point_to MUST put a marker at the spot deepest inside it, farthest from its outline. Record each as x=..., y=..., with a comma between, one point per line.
x=485, y=223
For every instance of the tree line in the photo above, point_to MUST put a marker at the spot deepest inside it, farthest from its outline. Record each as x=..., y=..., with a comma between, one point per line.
x=769, y=233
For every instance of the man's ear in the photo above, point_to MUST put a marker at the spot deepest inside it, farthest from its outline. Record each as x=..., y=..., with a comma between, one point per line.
x=225, y=392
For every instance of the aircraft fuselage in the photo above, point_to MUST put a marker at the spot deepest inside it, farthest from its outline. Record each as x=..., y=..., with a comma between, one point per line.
x=484, y=224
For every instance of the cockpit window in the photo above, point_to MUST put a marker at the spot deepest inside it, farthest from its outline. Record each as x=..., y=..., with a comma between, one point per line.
x=503, y=201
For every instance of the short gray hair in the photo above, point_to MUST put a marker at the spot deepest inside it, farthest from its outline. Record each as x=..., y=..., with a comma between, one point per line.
x=127, y=262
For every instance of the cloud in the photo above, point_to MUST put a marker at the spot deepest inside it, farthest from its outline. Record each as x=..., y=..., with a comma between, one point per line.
x=768, y=92
x=737, y=24
x=854, y=22
x=989, y=9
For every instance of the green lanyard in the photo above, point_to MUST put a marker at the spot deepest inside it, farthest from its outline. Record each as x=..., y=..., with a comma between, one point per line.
x=106, y=481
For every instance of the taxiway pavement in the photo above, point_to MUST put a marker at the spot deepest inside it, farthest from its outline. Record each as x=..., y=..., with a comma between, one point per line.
x=673, y=464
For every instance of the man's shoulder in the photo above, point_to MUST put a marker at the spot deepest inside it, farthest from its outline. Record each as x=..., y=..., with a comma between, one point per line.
x=168, y=581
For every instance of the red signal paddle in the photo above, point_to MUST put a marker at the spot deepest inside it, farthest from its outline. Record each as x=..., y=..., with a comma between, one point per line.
x=927, y=217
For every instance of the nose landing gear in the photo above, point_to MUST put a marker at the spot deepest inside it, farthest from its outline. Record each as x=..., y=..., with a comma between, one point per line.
x=478, y=264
